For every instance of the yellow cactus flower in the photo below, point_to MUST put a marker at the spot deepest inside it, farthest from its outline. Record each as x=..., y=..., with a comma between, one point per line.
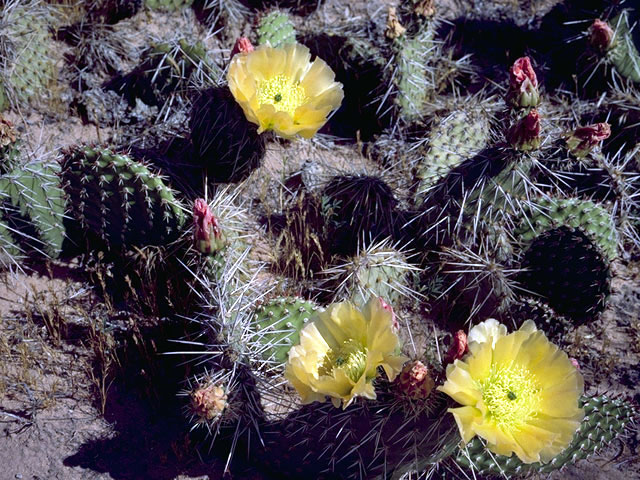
x=519, y=392
x=280, y=89
x=340, y=352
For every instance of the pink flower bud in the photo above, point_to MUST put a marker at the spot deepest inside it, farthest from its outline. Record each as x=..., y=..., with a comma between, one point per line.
x=525, y=135
x=243, y=45
x=415, y=381
x=388, y=308
x=207, y=235
x=585, y=139
x=523, y=84
x=601, y=35
x=574, y=362
x=458, y=347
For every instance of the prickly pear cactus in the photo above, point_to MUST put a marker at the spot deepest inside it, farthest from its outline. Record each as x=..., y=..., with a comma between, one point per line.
x=278, y=324
x=224, y=142
x=32, y=207
x=119, y=200
x=456, y=137
x=379, y=270
x=361, y=211
x=166, y=69
x=28, y=70
x=276, y=29
x=589, y=217
x=605, y=419
x=624, y=54
x=414, y=82
x=564, y=266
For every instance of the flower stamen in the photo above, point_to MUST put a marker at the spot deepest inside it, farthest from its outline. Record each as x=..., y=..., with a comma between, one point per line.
x=351, y=357
x=510, y=395
x=281, y=92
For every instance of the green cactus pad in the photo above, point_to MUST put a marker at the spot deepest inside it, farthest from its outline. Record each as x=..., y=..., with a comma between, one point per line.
x=413, y=80
x=32, y=211
x=605, y=420
x=624, y=55
x=118, y=199
x=279, y=323
x=456, y=137
x=276, y=29
x=595, y=221
x=380, y=270
x=31, y=69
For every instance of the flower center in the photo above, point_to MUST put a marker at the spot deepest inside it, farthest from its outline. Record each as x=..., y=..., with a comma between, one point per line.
x=281, y=92
x=350, y=357
x=511, y=395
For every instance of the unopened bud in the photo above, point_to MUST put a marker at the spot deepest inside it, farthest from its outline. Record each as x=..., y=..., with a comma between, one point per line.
x=601, y=35
x=426, y=8
x=523, y=84
x=7, y=132
x=574, y=362
x=459, y=346
x=208, y=402
x=525, y=135
x=585, y=139
x=415, y=381
x=394, y=28
x=207, y=236
x=243, y=45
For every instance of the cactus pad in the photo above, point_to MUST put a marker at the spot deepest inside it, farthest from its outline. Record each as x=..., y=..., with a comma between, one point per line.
x=118, y=199
x=380, y=270
x=589, y=217
x=32, y=211
x=276, y=29
x=564, y=266
x=625, y=55
x=458, y=136
x=279, y=323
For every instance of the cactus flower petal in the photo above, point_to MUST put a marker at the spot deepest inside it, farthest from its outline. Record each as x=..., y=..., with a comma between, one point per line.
x=518, y=392
x=340, y=352
x=280, y=89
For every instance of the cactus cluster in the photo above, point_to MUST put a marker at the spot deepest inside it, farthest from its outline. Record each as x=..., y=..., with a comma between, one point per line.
x=489, y=205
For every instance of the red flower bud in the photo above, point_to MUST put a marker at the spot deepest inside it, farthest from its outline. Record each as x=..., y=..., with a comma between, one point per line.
x=207, y=235
x=601, y=35
x=523, y=84
x=458, y=347
x=243, y=45
x=525, y=135
x=585, y=139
